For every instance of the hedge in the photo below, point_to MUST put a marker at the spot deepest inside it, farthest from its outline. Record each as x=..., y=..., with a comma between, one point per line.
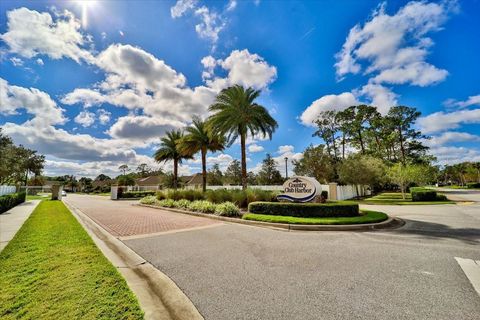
x=11, y=200
x=135, y=194
x=306, y=210
x=422, y=194
x=473, y=185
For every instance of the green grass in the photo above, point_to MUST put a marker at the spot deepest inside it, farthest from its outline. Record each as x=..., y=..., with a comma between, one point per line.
x=366, y=216
x=38, y=197
x=53, y=270
x=395, y=198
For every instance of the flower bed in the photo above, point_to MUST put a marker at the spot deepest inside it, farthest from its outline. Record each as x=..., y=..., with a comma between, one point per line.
x=227, y=209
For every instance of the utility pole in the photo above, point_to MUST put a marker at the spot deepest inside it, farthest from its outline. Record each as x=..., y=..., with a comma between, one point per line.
x=286, y=167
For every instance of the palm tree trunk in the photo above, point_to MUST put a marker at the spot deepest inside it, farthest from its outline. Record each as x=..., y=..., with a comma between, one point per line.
x=204, y=169
x=244, y=161
x=175, y=173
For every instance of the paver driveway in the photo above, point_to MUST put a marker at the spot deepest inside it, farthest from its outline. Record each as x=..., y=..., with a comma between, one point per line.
x=242, y=272
x=123, y=219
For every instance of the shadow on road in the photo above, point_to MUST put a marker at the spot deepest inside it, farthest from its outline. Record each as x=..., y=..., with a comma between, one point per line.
x=436, y=230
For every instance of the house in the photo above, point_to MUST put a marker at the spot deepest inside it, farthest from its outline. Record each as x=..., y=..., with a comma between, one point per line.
x=192, y=182
x=150, y=182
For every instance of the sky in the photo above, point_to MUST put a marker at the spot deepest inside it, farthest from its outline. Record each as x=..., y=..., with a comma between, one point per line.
x=95, y=84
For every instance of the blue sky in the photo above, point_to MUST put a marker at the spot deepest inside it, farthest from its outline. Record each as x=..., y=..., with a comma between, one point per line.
x=94, y=84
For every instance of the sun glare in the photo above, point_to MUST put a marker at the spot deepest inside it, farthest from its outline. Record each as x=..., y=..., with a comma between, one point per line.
x=86, y=5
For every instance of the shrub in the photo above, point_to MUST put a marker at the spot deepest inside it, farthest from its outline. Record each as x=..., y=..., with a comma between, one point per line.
x=239, y=197
x=227, y=209
x=218, y=196
x=422, y=194
x=202, y=206
x=135, y=194
x=161, y=195
x=473, y=185
x=9, y=201
x=182, y=204
x=151, y=200
x=305, y=210
x=441, y=197
x=167, y=203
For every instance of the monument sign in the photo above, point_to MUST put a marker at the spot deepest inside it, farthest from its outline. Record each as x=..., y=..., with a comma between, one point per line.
x=300, y=189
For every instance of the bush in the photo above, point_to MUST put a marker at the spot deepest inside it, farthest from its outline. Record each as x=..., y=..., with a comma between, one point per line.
x=167, y=203
x=151, y=200
x=202, y=206
x=227, y=209
x=305, y=210
x=422, y=194
x=161, y=195
x=441, y=197
x=218, y=196
x=135, y=194
x=473, y=185
x=182, y=204
x=9, y=201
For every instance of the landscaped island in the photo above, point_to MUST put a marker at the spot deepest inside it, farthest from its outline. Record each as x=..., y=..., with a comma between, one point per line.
x=262, y=206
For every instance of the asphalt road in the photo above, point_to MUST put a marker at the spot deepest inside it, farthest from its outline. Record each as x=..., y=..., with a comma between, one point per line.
x=232, y=271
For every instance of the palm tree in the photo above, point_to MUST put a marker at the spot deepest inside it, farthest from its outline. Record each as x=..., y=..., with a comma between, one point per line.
x=169, y=151
x=199, y=139
x=236, y=115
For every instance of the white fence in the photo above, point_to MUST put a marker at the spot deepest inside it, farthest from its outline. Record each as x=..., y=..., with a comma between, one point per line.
x=270, y=188
x=350, y=191
x=7, y=190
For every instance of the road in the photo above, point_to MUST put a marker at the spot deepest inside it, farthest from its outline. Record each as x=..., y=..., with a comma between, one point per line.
x=232, y=271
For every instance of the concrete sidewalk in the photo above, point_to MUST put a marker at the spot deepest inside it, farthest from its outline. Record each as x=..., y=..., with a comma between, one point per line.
x=12, y=220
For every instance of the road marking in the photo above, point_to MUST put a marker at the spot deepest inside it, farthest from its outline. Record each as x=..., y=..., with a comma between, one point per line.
x=161, y=233
x=471, y=268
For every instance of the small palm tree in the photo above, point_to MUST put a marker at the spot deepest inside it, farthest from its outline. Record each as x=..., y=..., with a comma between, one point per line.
x=169, y=151
x=199, y=139
x=236, y=115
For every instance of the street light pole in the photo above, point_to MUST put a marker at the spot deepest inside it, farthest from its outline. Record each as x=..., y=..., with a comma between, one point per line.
x=286, y=167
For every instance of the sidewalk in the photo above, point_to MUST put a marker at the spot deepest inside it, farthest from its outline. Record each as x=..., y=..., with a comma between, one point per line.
x=12, y=220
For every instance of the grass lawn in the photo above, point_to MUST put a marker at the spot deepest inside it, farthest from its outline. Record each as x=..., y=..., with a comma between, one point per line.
x=38, y=197
x=53, y=270
x=366, y=217
x=395, y=198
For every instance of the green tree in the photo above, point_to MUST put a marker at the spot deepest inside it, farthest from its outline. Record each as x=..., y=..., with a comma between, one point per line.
x=317, y=163
x=215, y=176
x=199, y=139
x=269, y=174
x=236, y=114
x=169, y=151
x=404, y=175
x=123, y=168
x=143, y=170
x=126, y=180
x=362, y=170
x=102, y=177
x=233, y=174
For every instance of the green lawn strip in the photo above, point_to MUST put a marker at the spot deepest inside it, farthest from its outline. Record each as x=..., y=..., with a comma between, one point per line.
x=366, y=217
x=404, y=203
x=37, y=197
x=53, y=270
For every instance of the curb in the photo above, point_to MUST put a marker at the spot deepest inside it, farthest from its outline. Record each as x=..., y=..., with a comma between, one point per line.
x=390, y=223
x=158, y=296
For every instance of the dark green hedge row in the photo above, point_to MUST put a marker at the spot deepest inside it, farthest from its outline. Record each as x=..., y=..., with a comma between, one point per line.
x=473, y=185
x=135, y=194
x=422, y=194
x=305, y=210
x=9, y=201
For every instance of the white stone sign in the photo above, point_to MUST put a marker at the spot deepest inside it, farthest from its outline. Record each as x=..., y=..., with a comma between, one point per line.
x=300, y=189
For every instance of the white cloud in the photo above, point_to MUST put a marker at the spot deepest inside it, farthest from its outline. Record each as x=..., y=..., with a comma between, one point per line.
x=142, y=128
x=285, y=149
x=104, y=116
x=31, y=33
x=377, y=95
x=451, y=137
x=232, y=4
x=211, y=24
x=40, y=62
x=471, y=101
x=255, y=148
x=327, y=102
x=395, y=46
x=181, y=7
x=17, y=62
x=243, y=68
x=33, y=101
x=452, y=155
x=442, y=121
x=85, y=118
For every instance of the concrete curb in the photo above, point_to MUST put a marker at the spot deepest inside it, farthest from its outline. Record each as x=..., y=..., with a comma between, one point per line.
x=390, y=223
x=158, y=295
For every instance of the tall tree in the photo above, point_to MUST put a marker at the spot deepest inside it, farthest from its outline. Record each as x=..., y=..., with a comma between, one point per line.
x=233, y=174
x=361, y=170
x=169, y=151
x=215, y=175
x=327, y=127
x=317, y=163
x=123, y=168
x=199, y=139
x=143, y=170
x=269, y=174
x=236, y=114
